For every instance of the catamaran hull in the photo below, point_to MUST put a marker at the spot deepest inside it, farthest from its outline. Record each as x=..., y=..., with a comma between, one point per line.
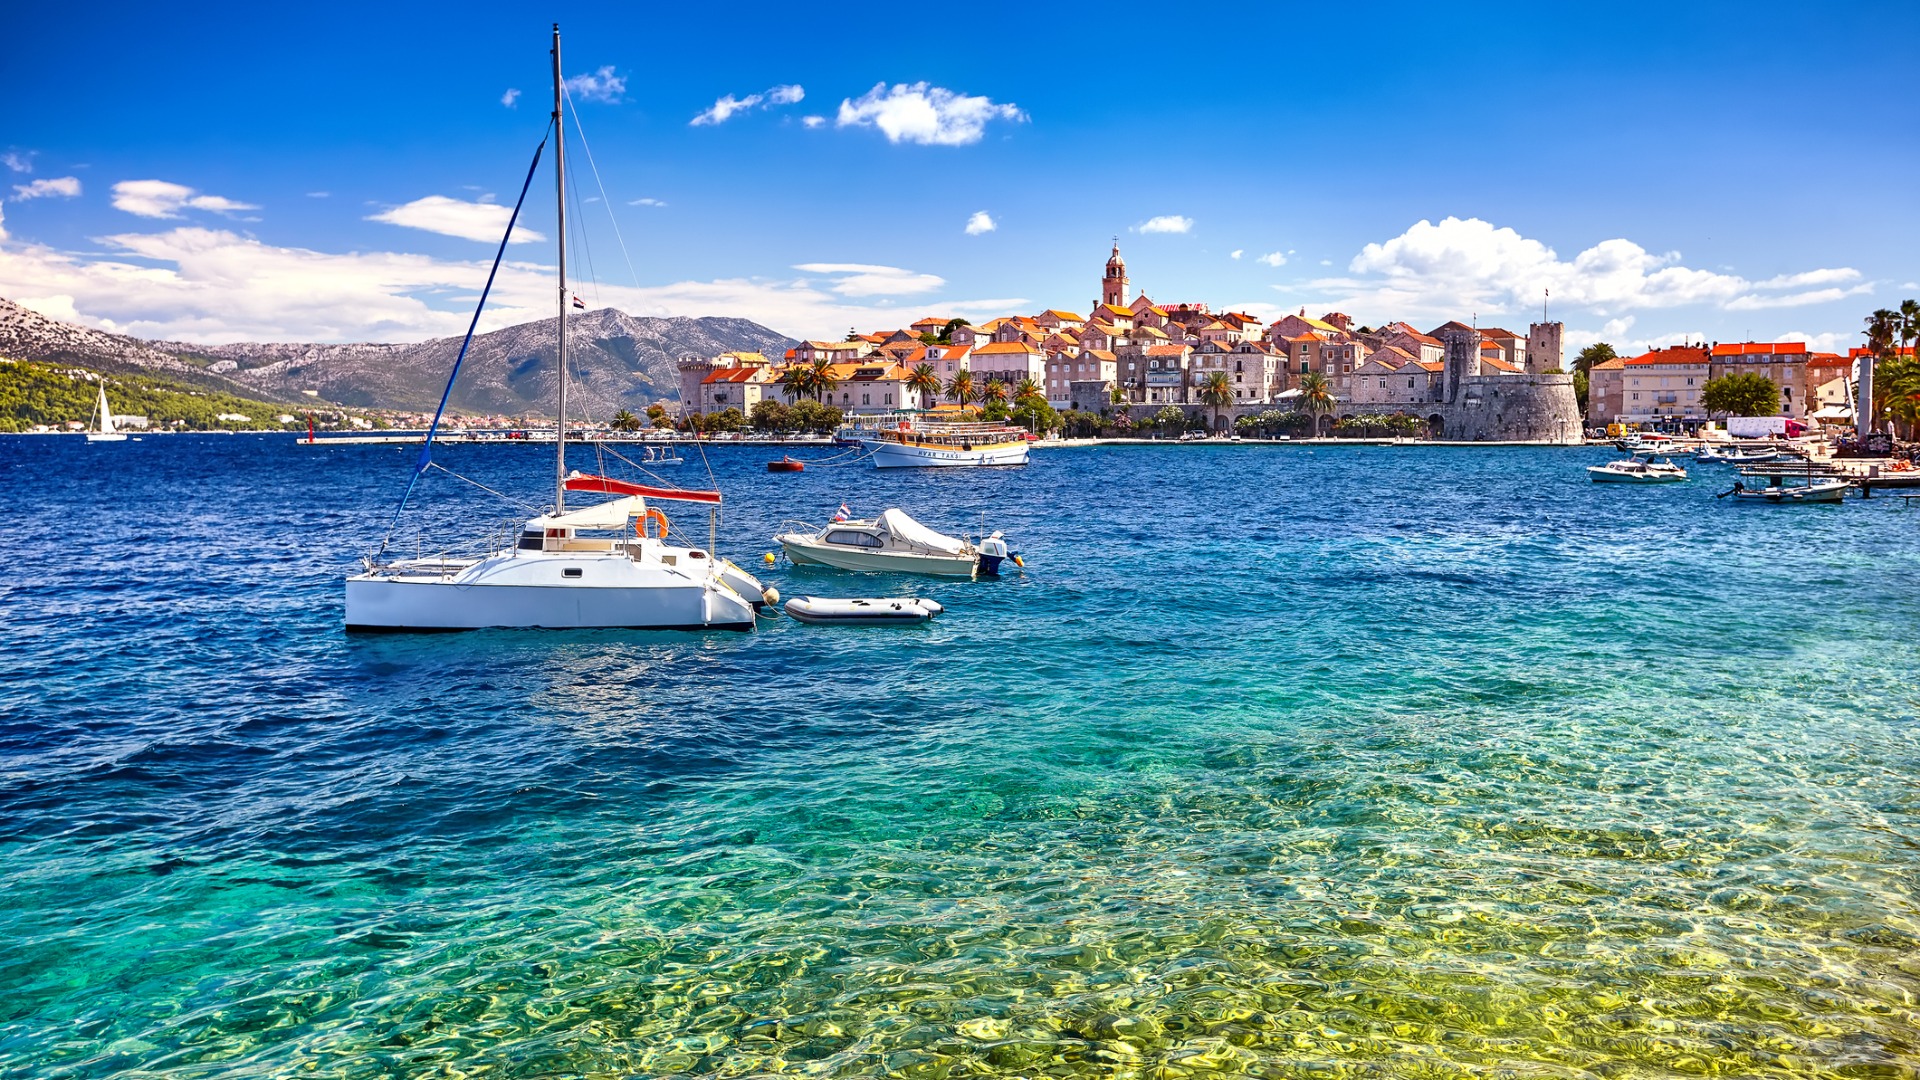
x=892, y=455
x=398, y=605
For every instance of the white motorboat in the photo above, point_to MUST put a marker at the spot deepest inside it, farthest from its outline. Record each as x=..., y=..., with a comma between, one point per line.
x=105, y=432
x=890, y=543
x=1738, y=456
x=1822, y=491
x=557, y=573
x=880, y=612
x=926, y=443
x=1636, y=471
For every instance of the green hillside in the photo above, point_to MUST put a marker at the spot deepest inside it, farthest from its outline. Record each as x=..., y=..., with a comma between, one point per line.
x=53, y=394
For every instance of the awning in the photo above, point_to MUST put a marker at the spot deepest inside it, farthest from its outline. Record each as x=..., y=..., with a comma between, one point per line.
x=606, y=515
x=1833, y=412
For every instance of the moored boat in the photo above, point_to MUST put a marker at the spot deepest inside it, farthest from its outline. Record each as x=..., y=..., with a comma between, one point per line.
x=890, y=543
x=557, y=573
x=1636, y=471
x=105, y=431
x=863, y=612
x=1814, y=491
x=928, y=443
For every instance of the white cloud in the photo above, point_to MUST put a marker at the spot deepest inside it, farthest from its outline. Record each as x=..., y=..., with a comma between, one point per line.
x=65, y=187
x=925, y=115
x=483, y=221
x=1326, y=262
x=1905, y=285
x=1470, y=265
x=510, y=98
x=1236, y=253
x=1165, y=223
x=17, y=162
x=864, y=279
x=3, y=222
x=160, y=199
x=980, y=222
x=813, y=121
x=1837, y=341
x=602, y=86
x=214, y=286
x=1273, y=258
x=728, y=105
x=647, y=202
x=319, y=194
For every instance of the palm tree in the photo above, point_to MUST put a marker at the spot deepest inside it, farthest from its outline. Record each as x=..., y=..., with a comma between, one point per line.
x=625, y=421
x=1118, y=395
x=924, y=382
x=960, y=388
x=994, y=393
x=1315, y=398
x=1027, y=392
x=823, y=379
x=1216, y=390
x=1909, y=323
x=796, y=382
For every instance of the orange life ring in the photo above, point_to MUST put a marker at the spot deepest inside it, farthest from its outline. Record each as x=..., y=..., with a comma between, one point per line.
x=640, y=524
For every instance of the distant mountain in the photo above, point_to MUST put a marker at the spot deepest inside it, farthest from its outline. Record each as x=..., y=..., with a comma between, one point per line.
x=618, y=361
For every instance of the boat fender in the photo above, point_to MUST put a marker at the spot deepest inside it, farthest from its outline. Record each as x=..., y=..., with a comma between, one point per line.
x=767, y=558
x=640, y=523
x=771, y=595
x=1018, y=561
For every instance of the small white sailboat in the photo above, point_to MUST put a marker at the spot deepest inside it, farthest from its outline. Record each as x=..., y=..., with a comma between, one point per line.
x=614, y=564
x=105, y=432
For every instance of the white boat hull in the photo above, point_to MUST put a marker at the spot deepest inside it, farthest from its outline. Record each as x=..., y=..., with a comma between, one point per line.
x=881, y=612
x=111, y=436
x=888, y=454
x=1814, y=493
x=1606, y=476
x=803, y=550
x=530, y=589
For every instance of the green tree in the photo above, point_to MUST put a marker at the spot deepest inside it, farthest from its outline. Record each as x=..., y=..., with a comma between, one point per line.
x=946, y=334
x=1897, y=391
x=657, y=414
x=1170, y=418
x=625, y=421
x=823, y=379
x=924, y=382
x=994, y=392
x=996, y=411
x=1597, y=353
x=1027, y=391
x=1316, y=397
x=796, y=382
x=770, y=415
x=1036, y=416
x=1581, y=387
x=729, y=419
x=1117, y=395
x=960, y=388
x=1745, y=394
x=1216, y=390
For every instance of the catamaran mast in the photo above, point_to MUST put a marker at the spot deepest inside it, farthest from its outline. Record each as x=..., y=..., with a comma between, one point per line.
x=560, y=185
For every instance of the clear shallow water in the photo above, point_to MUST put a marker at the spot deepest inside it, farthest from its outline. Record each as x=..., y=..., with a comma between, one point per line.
x=1279, y=762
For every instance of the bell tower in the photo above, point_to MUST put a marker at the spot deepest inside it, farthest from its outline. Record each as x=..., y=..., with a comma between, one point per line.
x=1113, y=288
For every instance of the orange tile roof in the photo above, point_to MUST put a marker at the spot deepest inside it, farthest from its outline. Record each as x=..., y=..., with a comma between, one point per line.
x=1004, y=348
x=1168, y=350
x=1761, y=348
x=1614, y=364
x=1099, y=354
x=1117, y=310
x=1677, y=354
x=1498, y=364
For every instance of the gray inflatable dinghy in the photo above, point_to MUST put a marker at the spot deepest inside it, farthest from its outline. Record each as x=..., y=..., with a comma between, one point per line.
x=863, y=612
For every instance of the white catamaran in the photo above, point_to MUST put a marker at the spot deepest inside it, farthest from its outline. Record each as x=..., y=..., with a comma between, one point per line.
x=608, y=565
x=105, y=433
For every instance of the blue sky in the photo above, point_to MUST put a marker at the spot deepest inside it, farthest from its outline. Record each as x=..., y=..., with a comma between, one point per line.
x=272, y=173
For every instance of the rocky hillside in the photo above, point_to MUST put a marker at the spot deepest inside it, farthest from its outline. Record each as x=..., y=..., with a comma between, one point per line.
x=618, y=361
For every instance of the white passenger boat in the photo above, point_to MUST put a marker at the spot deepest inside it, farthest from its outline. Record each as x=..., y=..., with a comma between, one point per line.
x=1636, y=471
x=928, y=443
x=877, y=612
x=890, y=543
x=614, y=564
x=105, y=432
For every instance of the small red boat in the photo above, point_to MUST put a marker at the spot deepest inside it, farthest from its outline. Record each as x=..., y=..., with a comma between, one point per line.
x=785, y=464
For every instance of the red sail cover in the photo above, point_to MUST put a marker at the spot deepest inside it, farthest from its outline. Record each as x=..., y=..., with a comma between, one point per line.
x=610, y=486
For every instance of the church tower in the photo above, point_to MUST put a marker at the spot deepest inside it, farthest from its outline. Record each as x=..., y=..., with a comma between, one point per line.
x=1113, y=288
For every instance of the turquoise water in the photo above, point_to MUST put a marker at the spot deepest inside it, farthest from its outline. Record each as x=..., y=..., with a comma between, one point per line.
x=1279, y=762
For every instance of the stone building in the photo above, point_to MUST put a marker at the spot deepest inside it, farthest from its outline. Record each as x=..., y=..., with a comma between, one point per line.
x=1784, y=362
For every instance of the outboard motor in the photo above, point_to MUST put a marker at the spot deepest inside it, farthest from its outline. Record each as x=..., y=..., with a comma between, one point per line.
x=992, y=551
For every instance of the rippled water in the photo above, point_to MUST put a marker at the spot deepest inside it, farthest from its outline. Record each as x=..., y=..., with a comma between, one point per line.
x=1283, y=762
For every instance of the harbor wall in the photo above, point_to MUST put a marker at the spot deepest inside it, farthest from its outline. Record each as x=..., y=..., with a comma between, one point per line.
x=1511, y=408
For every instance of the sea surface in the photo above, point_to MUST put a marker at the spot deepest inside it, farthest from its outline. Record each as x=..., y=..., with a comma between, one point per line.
x=1276, y=761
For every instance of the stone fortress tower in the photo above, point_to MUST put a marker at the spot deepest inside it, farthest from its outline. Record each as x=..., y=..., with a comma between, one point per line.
x=1528, y=407
x=1543, y=348
x=1113, y=287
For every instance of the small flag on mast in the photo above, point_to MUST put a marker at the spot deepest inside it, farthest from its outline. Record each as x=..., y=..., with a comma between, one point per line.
x=577, y=302
x=843, y=515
